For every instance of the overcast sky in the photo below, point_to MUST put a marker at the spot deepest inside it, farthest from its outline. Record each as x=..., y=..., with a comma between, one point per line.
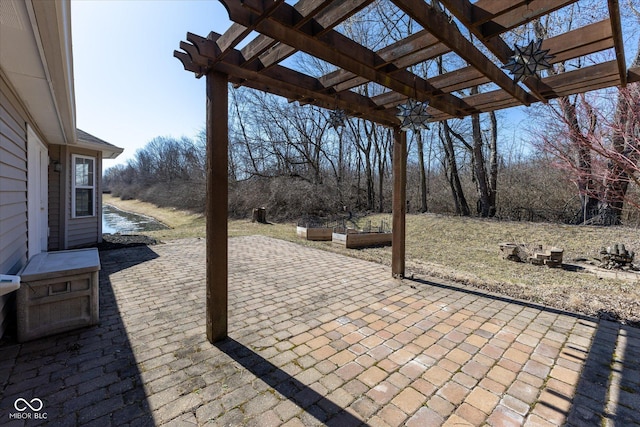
x=129, y=88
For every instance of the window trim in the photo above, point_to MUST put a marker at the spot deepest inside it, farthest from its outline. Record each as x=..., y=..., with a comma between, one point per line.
x=74, y=186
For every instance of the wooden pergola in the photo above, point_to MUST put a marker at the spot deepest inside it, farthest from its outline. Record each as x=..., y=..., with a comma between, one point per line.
x=313, y=27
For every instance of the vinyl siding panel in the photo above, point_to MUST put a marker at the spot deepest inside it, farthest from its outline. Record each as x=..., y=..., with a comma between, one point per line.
x=54, y=242
x=83, y=231
x=13, y=198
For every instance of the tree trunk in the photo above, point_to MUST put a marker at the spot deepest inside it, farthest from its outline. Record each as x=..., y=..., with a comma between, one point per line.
x=586, y=186
x=381, y=146
x=479, y=168
x=462, y=208
x=617, y=180
x=493, y=164
x=485, y=182
x=423, y=175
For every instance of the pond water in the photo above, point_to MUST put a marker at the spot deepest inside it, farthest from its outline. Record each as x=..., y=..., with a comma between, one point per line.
x=115, y=220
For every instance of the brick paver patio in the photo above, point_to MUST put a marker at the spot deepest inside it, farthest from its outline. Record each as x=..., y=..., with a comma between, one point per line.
x=318, y=339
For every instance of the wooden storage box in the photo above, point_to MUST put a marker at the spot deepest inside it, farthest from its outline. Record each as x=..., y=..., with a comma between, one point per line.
x=58, y=292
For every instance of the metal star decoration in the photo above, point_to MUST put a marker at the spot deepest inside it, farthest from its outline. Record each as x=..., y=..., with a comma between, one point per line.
x=337, y=118
x=413, y=115
x=528, y=60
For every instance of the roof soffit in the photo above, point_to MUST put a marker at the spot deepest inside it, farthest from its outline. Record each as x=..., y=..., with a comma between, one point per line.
x=35, y=56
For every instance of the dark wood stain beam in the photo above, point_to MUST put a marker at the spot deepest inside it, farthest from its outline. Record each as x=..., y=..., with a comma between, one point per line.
x=188, y=63
x=438, y=24
x=583, y=80
x=399, y=203
x=418, y=57
x=616, y=27
x=577, y=81
x=329, y=18
x=520, y=15
x=466, y=12
x=281, y=81
x=278, y=51
x=580, y=42
x=341, y=51
x=236, y=33
x=216, y=207
x=417, y=48
x=463, y=78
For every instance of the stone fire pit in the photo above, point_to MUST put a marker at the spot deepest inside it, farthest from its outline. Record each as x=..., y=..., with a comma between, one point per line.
x=550, y=256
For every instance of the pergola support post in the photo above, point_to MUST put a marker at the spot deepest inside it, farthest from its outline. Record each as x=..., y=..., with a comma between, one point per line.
x=216, y=206
x=399, y=207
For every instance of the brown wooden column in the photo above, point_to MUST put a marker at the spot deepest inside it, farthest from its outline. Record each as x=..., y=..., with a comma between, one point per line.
x=399, y=207
x=216, y=207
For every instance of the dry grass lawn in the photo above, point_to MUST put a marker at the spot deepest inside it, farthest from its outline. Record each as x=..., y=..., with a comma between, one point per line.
x=466, y=250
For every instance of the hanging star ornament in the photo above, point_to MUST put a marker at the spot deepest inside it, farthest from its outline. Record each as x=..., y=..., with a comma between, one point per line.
x=413, y=115
x=528, y=60
x=337, y=118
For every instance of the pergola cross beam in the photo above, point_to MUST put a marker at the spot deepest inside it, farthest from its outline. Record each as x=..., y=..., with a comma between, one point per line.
x=269, y=52
x=277, y=79
x=439, y=25
x=343, y=52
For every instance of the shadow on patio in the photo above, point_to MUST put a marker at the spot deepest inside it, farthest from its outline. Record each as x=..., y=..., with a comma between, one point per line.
x=321, y=339
x=608, y=387
x=86, y=376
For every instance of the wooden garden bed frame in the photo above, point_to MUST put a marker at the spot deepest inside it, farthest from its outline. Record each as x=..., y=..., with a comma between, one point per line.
x=314, y=233
x=354, y=239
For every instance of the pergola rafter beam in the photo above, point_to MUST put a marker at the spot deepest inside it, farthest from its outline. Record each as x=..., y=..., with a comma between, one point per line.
x=466, y=12
x=616, y=28
x=414, y=49
x=583, y=41
x=343, y=52
x=506, y=18
x=277, y=79
x=438, y=24
x=571, y=82
x=487, y=10
x=463, y=78
x=278, y=52
x=236, y=33
x=579, y=42
x=329, y=17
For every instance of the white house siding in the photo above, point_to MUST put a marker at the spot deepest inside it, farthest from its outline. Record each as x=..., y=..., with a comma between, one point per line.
x=13, y=189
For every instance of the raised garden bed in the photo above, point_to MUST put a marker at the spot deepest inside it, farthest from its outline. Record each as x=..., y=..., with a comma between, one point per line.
x=352, y=239
x=315, y=228
x=314, y=233
x=367, y=237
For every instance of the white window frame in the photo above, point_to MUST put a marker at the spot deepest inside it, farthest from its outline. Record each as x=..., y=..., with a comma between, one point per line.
x=88, y=187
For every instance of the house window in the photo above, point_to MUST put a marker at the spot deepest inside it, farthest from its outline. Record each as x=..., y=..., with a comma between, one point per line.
x=83, y=186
